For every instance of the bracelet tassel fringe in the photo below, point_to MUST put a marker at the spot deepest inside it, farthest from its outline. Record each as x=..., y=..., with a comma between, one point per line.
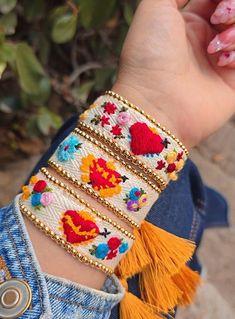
x=165, y=280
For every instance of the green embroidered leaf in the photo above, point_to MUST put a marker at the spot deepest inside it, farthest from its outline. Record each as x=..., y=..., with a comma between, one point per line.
x=95, y=13
x=7, y=5
x=8, y=23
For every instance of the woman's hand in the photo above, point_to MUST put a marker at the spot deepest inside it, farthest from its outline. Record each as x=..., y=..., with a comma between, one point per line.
x=168, y=69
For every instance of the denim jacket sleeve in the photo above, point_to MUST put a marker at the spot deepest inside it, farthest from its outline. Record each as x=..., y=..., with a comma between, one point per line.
x=52, y=297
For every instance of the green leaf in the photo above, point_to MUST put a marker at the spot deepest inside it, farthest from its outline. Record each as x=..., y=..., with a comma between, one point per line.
x=8, y=23
x=7, y=52
x=33, y=79
x=33, y=10
x=47, y=120
x=83, y=91
x=7, y=5
x=64, y=27
x=128, y=13
x=104, y=78
x=3, y=66
x=95, y=13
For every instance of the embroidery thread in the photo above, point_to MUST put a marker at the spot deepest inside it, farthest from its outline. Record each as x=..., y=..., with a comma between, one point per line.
x=101, y=175
x=68, y=148
x=110, y=249
x=136, y=199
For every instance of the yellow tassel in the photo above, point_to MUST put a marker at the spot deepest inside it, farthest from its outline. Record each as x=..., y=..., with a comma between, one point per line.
x=161, y=294
x=132, y=307
x=188, y=281
x=135, y=260
x=168, y=252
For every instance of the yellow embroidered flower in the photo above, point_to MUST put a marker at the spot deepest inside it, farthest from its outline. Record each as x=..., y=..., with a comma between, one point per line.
x=171, y=157
x=179, y=165
x=173, y=176
x=34, y=179
x=84, y=116
x=26, y=192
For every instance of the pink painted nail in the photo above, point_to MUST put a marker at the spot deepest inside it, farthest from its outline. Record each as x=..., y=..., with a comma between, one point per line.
x=226, y=58
x=222, y=41
x=224, y=12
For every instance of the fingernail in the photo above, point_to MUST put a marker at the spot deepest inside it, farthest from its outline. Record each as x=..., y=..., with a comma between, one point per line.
x=222, y=41
x=215, y=45
x=224, y=12
x=226, y=58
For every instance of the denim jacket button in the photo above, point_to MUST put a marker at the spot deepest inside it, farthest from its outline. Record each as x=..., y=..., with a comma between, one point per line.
x=15, y=298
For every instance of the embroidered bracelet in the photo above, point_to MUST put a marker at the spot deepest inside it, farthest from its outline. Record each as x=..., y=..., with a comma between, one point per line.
x=89, y=165
x=136, y=135
x=59, y=212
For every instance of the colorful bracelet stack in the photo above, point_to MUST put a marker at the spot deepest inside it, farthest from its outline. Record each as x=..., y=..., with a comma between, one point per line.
x=123, y=159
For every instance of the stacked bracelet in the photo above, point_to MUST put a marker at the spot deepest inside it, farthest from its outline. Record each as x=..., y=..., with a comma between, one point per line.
x=124, y=159
x=137, y=136
x=91, y=165
x=63, y=215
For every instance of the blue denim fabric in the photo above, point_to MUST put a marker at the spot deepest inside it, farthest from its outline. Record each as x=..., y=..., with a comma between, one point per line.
x=185, y=209
x=52, y=297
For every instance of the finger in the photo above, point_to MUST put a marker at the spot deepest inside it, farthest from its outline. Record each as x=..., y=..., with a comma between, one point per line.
x=227, y=59
x=224, y=13
x=203, y=8
x=222, y=41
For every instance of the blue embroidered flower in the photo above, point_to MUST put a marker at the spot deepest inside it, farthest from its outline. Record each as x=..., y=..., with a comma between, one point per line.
x=136, y=199
x=101, y=251
x=123, y=248
x=67, y=148
x=135, y=193
x=36, y=199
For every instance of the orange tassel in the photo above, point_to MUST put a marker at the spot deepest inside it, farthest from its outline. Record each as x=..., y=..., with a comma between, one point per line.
x=168, y=252
x=188, y=281
x=161, y=294
x=133, y=307
x=135, y=260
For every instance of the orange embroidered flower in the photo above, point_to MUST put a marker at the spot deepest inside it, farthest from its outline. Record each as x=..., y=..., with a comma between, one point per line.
x=34, y=179
x=102, y=175
x=26, y=192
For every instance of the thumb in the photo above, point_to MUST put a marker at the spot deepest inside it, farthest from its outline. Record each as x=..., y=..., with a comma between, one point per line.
x=176, y=3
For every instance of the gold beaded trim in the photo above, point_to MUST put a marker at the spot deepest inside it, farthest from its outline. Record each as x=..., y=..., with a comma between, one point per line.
x=129, y=156
x=117, y=157
x=62, y=243
x=136, y=108
x=71, y=192
x=62, y=172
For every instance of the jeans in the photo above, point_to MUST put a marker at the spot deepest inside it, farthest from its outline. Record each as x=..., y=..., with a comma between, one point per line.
x=185, y=209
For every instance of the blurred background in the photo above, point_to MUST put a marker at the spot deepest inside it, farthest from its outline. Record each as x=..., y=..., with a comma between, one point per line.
x=55, y=58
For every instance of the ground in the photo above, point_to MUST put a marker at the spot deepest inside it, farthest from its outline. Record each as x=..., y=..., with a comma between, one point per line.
x=216, y=161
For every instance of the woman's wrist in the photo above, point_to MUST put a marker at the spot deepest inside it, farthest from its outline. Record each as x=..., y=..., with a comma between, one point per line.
x=161, y=107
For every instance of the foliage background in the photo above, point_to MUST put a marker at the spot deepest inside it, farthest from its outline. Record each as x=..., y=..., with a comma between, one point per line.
x=55, y=57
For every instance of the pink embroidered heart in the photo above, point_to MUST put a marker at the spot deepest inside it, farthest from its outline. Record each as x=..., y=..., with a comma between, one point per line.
x=144, y=141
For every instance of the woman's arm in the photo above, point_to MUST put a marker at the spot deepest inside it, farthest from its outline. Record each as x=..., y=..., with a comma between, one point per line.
x=165, y=69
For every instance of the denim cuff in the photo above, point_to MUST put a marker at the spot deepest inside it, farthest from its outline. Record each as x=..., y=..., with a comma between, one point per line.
x=52, y=297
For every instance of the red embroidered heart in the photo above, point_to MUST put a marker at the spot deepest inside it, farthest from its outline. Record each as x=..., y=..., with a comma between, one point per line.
x=144, y=141
x=102, y=176
x=79, y=227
